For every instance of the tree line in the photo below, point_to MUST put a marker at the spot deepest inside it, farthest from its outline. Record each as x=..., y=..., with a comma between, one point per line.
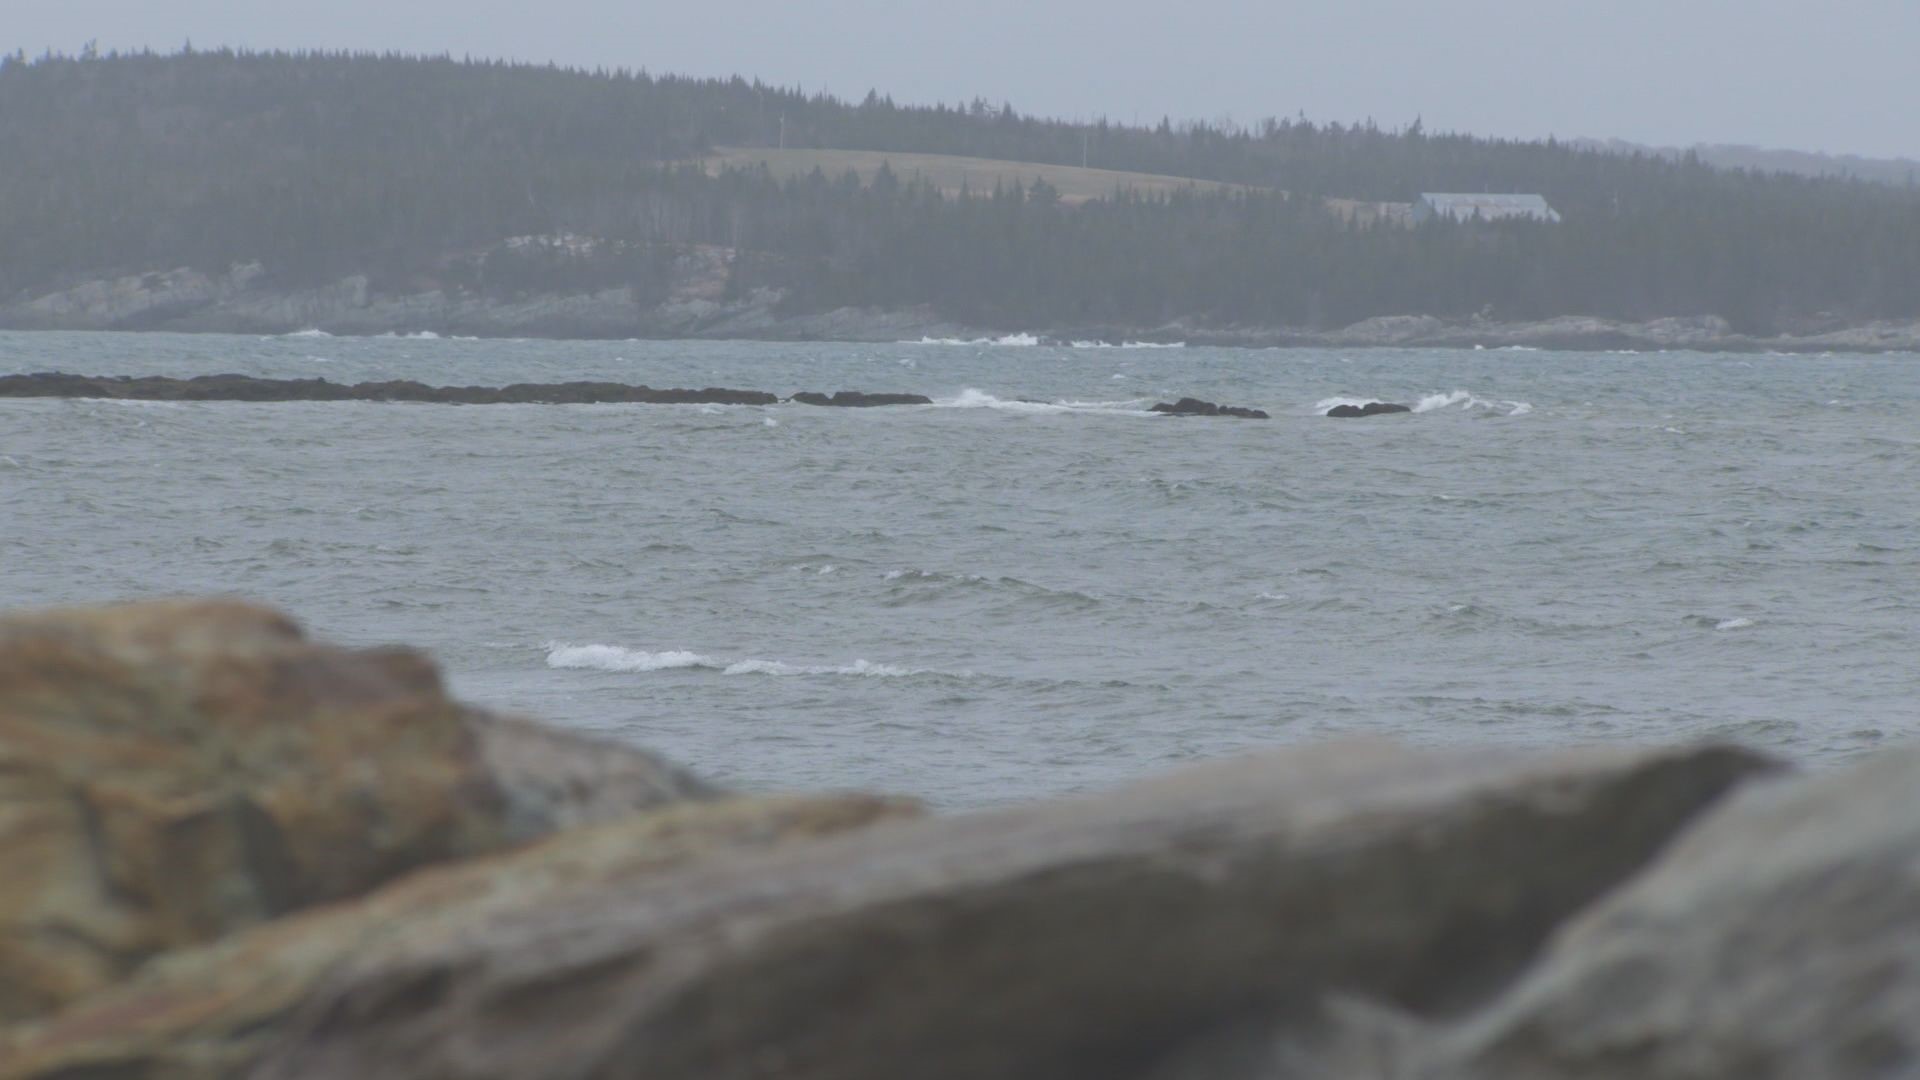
x=419, y=171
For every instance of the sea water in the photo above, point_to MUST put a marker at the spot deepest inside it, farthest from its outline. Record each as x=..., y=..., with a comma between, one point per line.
x=1034, y=585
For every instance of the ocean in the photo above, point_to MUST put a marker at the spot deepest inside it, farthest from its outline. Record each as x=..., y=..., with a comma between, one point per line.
x=1032, y=586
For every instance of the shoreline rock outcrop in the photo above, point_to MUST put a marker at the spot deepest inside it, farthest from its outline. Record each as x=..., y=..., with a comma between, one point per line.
x=241, y=301
x=233, y=852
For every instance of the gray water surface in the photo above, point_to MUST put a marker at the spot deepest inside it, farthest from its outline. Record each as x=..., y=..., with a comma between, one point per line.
x=987, y=600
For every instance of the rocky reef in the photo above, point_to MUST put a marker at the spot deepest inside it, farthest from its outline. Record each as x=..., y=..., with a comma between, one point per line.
x=1187, y=406
x=234, y=852
x=1371, y=408
x=854, y=399
x=249, y=388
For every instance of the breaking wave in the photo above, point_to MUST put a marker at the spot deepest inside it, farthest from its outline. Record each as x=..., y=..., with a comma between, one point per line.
x=309, y=333
x=1434, y=402
x=1129, y=345
x=1006, y=341
x=980, y=399
x=1466, y=400
x=1324, y=404
x=615, y=658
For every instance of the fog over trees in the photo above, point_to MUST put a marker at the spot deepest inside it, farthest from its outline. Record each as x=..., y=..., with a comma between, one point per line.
x=418, y=172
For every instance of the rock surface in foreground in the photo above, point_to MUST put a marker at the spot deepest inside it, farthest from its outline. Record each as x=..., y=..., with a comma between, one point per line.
x=1187, y=406
x=1778, y=939
x=213, y=1011
x=249, y=388
x=1067, y=939
x=171, y=773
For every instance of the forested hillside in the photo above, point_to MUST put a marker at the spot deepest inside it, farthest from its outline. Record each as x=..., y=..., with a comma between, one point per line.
x=422, y=172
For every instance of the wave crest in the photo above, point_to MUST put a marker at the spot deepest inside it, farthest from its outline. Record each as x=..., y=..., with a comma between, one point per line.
x=621, y=660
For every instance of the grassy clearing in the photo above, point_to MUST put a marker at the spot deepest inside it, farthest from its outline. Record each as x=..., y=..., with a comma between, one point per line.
x=949, y=172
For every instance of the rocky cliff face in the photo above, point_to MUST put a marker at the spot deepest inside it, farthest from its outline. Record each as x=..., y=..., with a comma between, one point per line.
x=232, y=852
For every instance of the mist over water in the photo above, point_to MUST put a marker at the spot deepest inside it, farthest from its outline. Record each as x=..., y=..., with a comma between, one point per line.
x=1032, y=586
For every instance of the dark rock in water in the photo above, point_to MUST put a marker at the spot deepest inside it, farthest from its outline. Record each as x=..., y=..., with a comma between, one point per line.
x=248, y=388
x=1371, y=408
x=856, y=400
x=1187, y=406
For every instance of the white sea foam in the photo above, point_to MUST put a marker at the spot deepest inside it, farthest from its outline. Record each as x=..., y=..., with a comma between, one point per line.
x=1324, y=404
x=1004, y=342
x=980, y=399
x=1466, y=400
x=615, y=658
x=781, y=667
x=1733, y=624
x=308, y=333
x=1129, y=344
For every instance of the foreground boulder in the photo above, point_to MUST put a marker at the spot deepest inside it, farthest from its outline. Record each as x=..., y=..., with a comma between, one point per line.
x=857, y=400
x=1187, y=406
x=1071, y=939
x=172, y=773
x=1371, y=408
x=214, y=1011
x=1778, y=939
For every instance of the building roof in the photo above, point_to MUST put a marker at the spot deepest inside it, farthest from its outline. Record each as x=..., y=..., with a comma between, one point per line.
x=1488, y=206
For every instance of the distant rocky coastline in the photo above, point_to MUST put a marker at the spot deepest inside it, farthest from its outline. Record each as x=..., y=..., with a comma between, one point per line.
x=240, y=303
x=235, y=852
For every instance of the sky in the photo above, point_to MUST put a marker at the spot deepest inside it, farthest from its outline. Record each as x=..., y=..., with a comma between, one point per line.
x=1838, y=76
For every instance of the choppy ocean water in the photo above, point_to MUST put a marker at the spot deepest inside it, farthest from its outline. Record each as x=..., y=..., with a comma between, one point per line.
x=992, y=599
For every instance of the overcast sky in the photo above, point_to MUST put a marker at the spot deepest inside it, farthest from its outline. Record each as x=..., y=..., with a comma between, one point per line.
x=1839, y=76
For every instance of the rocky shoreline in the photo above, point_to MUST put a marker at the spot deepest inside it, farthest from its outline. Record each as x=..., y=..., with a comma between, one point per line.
x=239, y=302
x=234, y=852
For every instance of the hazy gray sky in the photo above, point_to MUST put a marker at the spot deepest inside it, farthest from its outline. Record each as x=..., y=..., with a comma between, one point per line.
x=1839, y=75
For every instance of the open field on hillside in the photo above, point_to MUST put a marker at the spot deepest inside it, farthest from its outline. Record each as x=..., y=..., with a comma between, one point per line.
x=949, y=172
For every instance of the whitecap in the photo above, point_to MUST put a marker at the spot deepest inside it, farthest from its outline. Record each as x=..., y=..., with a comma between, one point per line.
x=780, y=667
x=1466, y=400
x=1325, y=404
x=1129, y=344
x=616, y=658
x=311, y=332
x=1005, y=341
x=1733, y=624
x=769, y=421
x=980, y=399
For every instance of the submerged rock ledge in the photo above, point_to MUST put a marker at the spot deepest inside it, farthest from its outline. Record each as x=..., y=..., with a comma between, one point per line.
x=233, y=852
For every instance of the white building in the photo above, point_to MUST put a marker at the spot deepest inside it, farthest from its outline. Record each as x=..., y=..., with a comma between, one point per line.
x=1483, y=207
